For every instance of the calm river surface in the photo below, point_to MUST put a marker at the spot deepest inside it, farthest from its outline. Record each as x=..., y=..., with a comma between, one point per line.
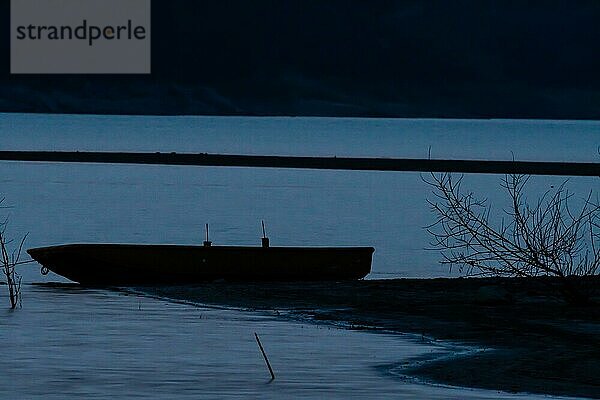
x=71, y=343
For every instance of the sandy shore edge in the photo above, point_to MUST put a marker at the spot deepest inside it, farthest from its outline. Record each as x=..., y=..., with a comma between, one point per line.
x=541, y=344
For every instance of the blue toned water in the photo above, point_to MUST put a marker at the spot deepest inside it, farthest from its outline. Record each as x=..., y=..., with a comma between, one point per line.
x=61, y=203
x=483, y=139
x=73, y=343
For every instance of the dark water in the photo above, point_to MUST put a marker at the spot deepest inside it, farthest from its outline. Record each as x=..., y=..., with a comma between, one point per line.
x=71, y=343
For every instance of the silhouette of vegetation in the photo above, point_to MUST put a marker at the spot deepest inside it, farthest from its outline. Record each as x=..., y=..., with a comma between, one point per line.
x=9, y=260
x=547, y=238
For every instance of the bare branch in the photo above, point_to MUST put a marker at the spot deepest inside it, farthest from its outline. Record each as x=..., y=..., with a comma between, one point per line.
x=546, y=238
x=8, y=262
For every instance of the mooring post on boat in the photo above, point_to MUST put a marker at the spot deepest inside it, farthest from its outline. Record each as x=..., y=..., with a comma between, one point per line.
x=262, y=350
x=207, y=243
x=265, y=239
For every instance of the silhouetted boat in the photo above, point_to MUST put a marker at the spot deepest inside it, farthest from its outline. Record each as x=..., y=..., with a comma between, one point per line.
x=125, y=264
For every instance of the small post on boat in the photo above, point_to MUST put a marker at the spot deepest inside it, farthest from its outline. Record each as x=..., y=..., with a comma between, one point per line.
x=265, y=239
x=207, y=243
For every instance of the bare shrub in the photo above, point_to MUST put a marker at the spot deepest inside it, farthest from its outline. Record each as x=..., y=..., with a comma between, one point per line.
x=547, y=238
x=9, y=260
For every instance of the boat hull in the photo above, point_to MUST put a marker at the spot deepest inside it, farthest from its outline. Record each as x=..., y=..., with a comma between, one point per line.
x=121, y=264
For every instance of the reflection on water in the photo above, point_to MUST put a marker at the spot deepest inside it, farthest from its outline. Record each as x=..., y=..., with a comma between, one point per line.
x=72, y=343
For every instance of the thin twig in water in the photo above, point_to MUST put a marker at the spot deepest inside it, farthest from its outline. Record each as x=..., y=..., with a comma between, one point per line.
x=264, y=355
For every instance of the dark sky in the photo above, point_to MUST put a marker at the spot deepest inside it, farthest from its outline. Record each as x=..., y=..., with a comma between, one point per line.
x=346, y=57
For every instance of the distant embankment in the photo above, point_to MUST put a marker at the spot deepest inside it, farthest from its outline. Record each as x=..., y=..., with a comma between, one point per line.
x=332, y=163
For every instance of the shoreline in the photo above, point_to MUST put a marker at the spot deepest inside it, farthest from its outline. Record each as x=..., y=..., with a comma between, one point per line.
x=530, y=340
